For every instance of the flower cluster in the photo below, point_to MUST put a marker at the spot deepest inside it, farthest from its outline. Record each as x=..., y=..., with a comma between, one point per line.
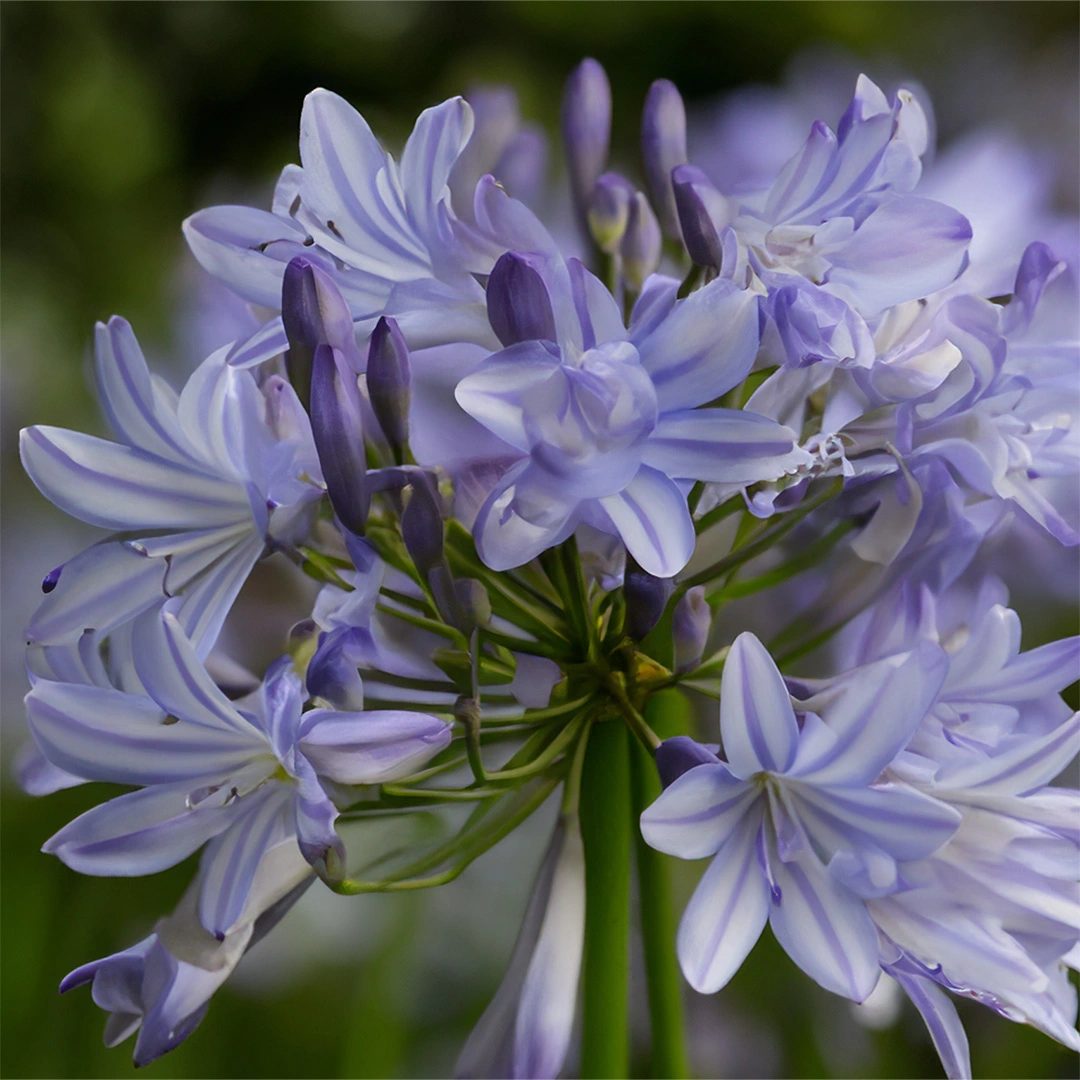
x=533, y=469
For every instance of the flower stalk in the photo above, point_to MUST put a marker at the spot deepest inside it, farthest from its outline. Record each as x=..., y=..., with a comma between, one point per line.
x=605, y=831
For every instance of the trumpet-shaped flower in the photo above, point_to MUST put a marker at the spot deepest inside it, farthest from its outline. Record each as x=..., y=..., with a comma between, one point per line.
x=802, y=833
x=994, y=912
x=161, y=987
x=603, y=421
x=839, y=213
x=203, y=480
x=384, y=230
x=211, y=770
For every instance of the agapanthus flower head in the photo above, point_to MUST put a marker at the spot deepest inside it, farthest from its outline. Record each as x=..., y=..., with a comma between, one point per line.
x=534, y=485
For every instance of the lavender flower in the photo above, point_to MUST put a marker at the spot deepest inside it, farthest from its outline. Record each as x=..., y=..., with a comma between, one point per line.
x=204, y=480
x=239, y=775
x=383, y=230
x=803, y=836
x=602, y=421
x=161, y=987
x=839, y=213
x=522, y=460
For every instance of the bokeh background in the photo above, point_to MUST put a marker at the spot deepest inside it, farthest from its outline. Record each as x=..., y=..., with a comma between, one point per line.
x=119, y=119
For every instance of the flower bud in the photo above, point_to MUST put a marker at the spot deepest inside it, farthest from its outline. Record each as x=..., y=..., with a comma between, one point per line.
x=609, y=210
x=678, y=755
x=663, y=147
x=642, y=243
x=422, y=526
x=690, y=623
x=519, y=307
x=388, y=383
x=313, y=313
x=646, y=597
x=586, y=128
x=473, y=602
x=693, y=192
x=339, y=436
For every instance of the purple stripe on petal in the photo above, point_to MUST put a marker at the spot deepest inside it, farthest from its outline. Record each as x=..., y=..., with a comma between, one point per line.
x=652, y=519
x=825, y=929
x=695, y=815
x=230, y=862
x=942, y=1021
x=371, y=747
x=757, y=722
x=726, y=914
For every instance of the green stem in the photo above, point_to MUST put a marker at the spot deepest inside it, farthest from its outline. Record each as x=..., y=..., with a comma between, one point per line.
x=634, y=720
x=605, y=830
x=789, y=569
x=658, y=926
x=760, y=544
x=733, y=505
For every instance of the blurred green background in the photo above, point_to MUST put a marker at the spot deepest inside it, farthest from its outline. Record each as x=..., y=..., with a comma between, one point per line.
x=119, y=119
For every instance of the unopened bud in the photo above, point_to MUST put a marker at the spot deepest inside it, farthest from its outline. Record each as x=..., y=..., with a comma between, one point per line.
x=609, y=211
x=690, y=623
x=339, y=436
x=388, y=383
x=313, y=313
x=646, y=597
x=586, y=128
x=663, y=147
x=642, y=244
x=422, y=526
x=519, y=307
x=473, y=602
x=679, y=755
x=693, y=196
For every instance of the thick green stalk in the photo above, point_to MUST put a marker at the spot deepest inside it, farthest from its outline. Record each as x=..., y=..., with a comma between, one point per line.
x=658, y=919
x=605, y=831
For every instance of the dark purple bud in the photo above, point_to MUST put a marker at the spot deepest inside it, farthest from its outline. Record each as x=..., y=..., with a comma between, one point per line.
x=693, y=193
x=586, y=128
x=422, y=525
x=519, y=307
x=313, y=313
x=339, y=436
x=642, y=244
x=646, y=597
x=441, y=583
x=51, y=578
x=663, y=147
x=388, y=383
x=678, y=755
x=690, y=623
x=609, y=211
